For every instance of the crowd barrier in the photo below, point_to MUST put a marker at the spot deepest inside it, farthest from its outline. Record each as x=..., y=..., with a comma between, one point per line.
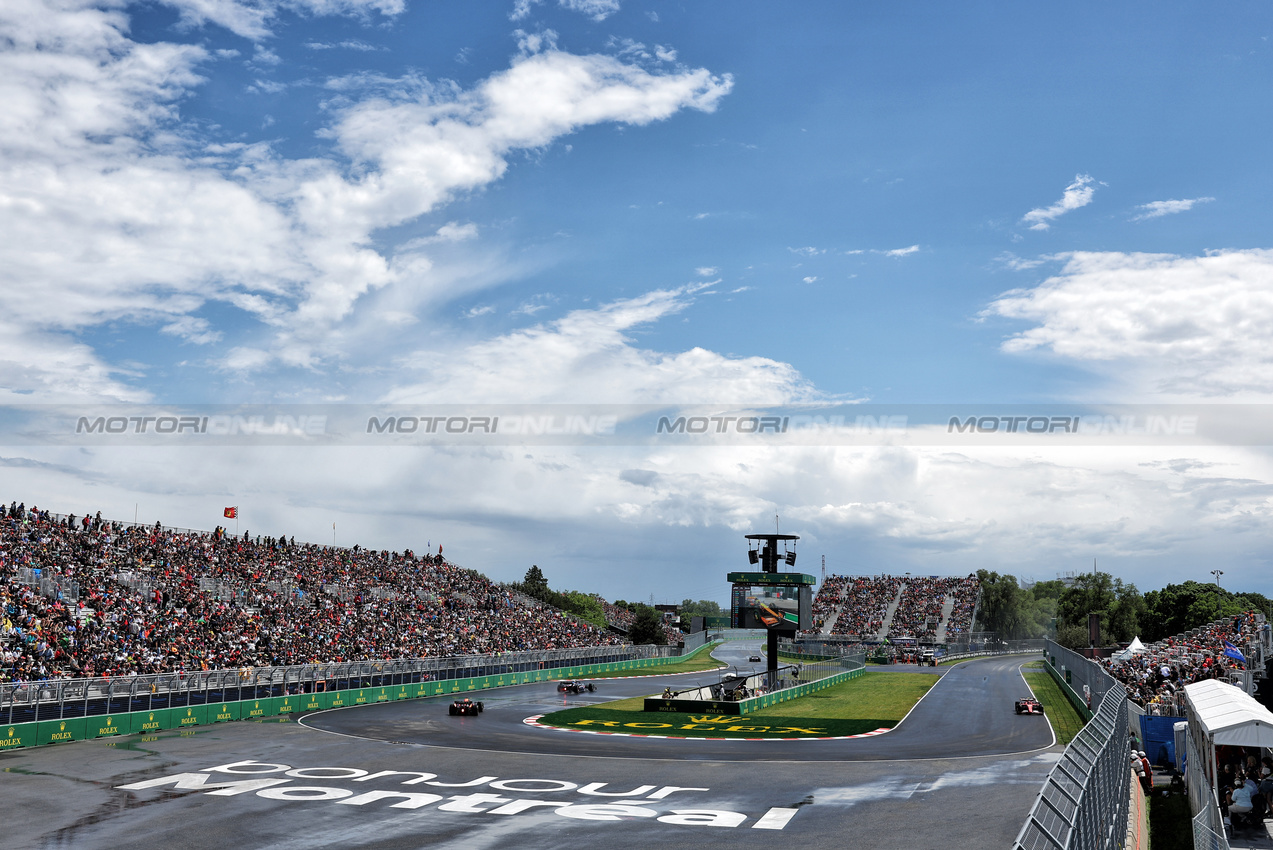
x=1084, y=804
x=222, y=696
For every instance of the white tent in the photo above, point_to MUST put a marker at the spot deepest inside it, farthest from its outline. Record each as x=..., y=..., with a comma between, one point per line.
x=1228, y=716
x=1133, y=648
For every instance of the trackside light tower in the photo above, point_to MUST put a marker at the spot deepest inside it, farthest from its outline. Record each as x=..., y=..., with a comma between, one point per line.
x=779, y=603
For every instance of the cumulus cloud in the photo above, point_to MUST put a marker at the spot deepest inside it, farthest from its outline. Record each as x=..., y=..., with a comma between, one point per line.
x=1157, y=209
x=589, y=356
x=901, y=252
x=1077, y=194
x=123, y=212
x=1181, y=325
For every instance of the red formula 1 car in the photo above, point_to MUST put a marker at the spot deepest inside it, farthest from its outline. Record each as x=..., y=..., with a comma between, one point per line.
x=465, y=707
x=1028, y=706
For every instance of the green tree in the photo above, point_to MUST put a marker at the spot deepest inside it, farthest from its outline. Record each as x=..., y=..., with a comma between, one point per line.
x=701, y=608
x=587, y=606
x=647, y=627
x=534, y=584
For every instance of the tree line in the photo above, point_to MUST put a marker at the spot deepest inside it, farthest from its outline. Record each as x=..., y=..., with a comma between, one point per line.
x=647, y=628
x=1058, y=609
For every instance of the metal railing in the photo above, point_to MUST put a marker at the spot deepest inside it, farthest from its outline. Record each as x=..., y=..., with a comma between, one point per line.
x=61, y=699
x=1208, y=823
x=1084, y=802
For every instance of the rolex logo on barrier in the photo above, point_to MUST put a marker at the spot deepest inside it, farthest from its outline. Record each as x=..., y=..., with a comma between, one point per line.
x=62, y=726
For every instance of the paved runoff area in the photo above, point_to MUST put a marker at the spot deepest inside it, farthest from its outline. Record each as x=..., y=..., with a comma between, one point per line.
x=960, y=771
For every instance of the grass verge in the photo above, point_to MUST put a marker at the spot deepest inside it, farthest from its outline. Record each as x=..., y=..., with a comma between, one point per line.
x=1064, y=718
x=874, y=701
x=1169, y=827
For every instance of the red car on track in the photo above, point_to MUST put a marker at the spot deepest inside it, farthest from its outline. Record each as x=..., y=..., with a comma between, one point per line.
x=1028, y=706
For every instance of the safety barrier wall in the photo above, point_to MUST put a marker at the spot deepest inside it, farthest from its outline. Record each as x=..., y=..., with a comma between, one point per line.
x=1083, y=804
x=829, y=673
x=857, y=665
x=198, y=709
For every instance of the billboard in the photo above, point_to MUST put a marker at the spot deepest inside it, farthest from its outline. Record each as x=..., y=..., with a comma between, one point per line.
x=783, y=608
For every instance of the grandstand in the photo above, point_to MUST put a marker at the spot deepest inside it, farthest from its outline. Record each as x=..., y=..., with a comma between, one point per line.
x=884, y=607
x=92, y=597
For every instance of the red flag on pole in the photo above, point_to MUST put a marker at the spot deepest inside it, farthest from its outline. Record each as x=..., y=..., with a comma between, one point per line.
x=232, y=513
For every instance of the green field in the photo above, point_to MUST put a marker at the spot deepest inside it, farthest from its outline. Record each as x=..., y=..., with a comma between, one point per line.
x=1060, y=712
x=874, y=701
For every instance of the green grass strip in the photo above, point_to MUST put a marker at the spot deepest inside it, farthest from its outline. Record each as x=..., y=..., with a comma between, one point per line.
x=874, y=701
x=1063, y=716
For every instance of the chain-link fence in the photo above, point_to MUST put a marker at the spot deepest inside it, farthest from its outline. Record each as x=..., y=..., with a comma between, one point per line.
x=1084, y=802
x=1208, y=823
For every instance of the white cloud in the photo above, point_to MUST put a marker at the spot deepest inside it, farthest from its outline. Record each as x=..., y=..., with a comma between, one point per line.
x=1077, y=194
x=522, y=9
x=588, y=356
x=810, y=279
x=1196, y=326
x=807, y=251
x=664, y=54
x=115, y=206
x=706, y=271
x=474, y=312
x=598, y=10
x=1156, y=209
x=901, y=252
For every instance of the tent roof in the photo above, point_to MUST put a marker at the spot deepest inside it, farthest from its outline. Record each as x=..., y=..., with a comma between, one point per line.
x=1133, y=648
x=1230, y=716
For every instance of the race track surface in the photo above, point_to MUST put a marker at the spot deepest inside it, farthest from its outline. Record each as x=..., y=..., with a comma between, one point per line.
x=961, y=770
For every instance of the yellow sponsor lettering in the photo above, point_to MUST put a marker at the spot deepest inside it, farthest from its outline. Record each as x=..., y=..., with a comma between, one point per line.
x=694, y=719
x=108, y=730
x=649, y=725
x=784, y=730
x=595, y=723
x=746, y=728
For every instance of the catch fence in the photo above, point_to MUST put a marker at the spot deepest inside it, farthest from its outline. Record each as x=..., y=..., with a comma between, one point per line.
x=1084, y=803
x=64, y=699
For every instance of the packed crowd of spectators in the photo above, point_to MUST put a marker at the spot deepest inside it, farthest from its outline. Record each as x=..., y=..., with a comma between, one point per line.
x=858, y=605
x=150, y=599
x=865, y=603
x=1155, y=679
x=919, y=611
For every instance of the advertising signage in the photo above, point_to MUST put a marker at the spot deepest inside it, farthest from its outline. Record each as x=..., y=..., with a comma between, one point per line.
x=771, y=578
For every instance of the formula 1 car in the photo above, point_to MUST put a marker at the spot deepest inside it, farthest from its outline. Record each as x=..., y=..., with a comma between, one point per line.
x=465, y=707
x=752, y=658
x=1028, y=706
x=571, y=686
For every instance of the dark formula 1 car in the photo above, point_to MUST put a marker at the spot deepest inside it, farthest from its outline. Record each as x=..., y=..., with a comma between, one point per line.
x=1028, y=706
x=753, y=658
x=570, y=686
x=465, y=707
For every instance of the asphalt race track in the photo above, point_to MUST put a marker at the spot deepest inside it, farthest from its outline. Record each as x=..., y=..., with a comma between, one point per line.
x=961, y=771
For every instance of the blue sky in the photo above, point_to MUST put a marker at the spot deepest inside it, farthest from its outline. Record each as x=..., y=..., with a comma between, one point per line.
x=575, y=201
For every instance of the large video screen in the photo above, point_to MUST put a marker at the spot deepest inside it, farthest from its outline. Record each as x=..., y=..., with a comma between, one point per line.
x=777, y=607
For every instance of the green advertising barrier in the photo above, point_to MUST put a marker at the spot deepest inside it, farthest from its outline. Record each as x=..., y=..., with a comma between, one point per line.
x=279, y=709
x=257, y=708
x=147, y=721
x=313, y=702
x=111, y=724
x=59, y=731
x=191, y=715
x=225, y=711
x=17, y=735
